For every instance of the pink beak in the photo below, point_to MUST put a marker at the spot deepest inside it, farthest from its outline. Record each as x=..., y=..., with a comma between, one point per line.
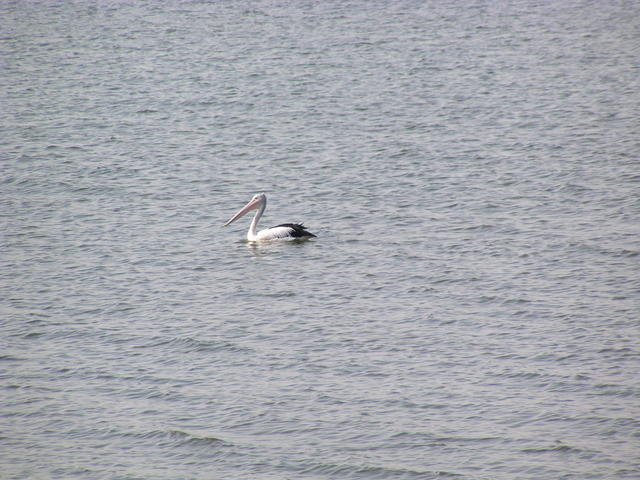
x=252, y=205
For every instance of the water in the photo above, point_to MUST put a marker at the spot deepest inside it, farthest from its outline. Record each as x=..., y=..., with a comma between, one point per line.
x=470, y=308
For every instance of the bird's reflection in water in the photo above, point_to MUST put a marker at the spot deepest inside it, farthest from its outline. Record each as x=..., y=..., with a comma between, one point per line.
x=264, y=249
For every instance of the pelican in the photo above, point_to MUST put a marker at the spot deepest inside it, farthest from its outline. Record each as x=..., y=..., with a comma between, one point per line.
x=285, y=231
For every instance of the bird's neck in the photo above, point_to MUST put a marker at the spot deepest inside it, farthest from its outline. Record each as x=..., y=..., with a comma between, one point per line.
x=253, y=228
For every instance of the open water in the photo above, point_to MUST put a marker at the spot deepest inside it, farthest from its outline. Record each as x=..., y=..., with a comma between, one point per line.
x=470, y=308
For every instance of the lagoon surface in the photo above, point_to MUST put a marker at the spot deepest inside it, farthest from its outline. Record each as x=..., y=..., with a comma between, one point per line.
x=469, y=309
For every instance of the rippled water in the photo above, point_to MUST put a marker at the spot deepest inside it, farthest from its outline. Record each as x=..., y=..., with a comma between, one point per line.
x=470, y=308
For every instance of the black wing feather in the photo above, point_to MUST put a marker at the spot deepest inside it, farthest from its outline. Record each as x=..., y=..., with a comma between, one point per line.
x=297, y=230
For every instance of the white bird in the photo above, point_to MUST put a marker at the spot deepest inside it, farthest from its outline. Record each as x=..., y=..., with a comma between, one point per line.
x=285, y=231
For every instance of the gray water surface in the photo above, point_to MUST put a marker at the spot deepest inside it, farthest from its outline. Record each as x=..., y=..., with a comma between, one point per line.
x=470, y=308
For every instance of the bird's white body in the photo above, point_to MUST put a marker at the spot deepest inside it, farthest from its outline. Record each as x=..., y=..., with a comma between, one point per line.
x=273, y=233
x=286, y=231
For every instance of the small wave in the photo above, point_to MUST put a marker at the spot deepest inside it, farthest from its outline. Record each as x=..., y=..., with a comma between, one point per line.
x=189, y=344
x=173, y=438
x=516, y=301
x=51, y=335
x=422, y=439
x=280, y=294
x=616, y=391
x=483, y=227
x=183, y=438
x=621, y=350
x=373, y=472
x=553, y=448
x=525, y=375
x=11, y=358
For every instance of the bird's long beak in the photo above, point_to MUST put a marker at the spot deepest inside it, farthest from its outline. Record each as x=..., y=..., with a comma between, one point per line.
x=253, y=204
